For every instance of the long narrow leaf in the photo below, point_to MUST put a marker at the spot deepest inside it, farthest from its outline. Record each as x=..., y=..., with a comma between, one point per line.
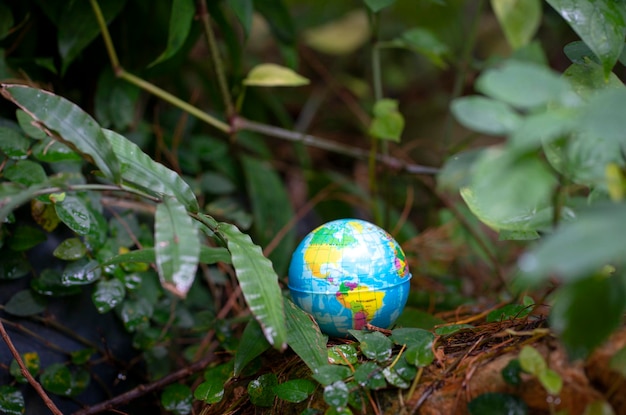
x=72, y=125
x=139, y=170
x=177, y=247
x=259, y=284
x=180, y=23
x=305, y=338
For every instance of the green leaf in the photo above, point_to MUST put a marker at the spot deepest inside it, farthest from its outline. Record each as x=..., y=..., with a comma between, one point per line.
x=13, y=144
x=177, y=247
x=551, y=381
x=296, y=390
x=11, y=400
x=541, y=128
x=419, y=344
x=587, y=79
x=81, y=272
x=531, y=361
x=524, y=85
x=271, y=74
x=276, y=13
x=497, y=404
x=26, y=237
x=377, y=5
x=50, y=150
x=511, y=373
x=329, y=374
x=70, y=249
x=579, y=248
x=181, y=17
x=261, y=390
x=71, y=125
x=29, y=125
x=602, y=119
x=394, y=378
x=177, y=399
x=587, y=311
x=251, y=346
x=82, y=356
x=78, y=27
x=107, y=294
x=600, y=24
x=375, y=346
x=50, y=283
x=424, y=42
x=140, y=171
x=58, y=379
x=81, y=218
x=272, y=210
x=259, y=284
x=26, y=172
x=336, y=394
x=454, y=175
x=244, y=10
x=508, y=312
x=370, y=375
x=210, y=391
x=485, y=115
x=31, y=361
x=342, y=354
x=388, y=122
x=599, y=407
x=618, y=361
x=519, y=19
x=136, y=313
x=305, y=337
x=509, y=192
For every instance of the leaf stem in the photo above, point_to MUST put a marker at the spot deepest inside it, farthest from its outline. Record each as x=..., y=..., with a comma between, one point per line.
x=147, y=86
x=106, y=36
x=217, y=60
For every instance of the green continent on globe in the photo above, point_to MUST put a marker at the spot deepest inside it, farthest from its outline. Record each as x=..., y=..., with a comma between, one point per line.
x=325, y=248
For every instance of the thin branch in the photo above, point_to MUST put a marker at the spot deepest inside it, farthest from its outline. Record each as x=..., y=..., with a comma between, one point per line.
x=240, y=123
x=217, y=60
x=142, y=390
x=174, y=100
x=145, y=85
x=106, y=36
x=26, y=373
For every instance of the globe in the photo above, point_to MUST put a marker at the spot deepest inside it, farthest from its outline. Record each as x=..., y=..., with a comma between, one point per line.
x=347, y=274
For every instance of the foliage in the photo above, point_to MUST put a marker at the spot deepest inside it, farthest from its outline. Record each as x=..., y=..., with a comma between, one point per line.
x=136, y=187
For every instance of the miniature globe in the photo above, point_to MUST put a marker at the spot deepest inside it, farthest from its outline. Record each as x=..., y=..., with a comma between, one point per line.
x=349, y=273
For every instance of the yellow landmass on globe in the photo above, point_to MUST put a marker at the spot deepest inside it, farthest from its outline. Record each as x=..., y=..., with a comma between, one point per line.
x=362, y=300
x=315, y=256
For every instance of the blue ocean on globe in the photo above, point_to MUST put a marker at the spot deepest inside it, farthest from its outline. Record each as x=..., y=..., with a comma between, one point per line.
x=347, y=274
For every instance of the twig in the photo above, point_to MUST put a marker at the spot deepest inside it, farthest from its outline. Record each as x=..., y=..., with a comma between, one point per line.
x=217, y=60
x=26, y=373
x=240, y=123
x=142, y=390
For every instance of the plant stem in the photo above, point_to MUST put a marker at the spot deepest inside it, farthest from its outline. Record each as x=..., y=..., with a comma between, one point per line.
x=217, y=60
x=174, y=100
x=106, y=36
x=240, y=123
x=31, y=380
x=147, y=86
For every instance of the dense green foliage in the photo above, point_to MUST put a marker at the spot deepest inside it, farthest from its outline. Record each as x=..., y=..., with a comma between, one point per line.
x=156, y=173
